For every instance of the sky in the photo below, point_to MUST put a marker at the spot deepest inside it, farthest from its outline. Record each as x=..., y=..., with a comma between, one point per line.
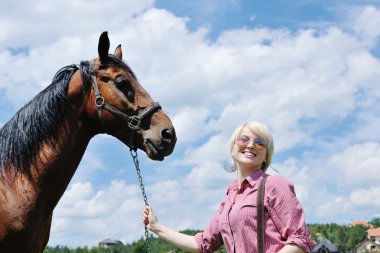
x=309, y=70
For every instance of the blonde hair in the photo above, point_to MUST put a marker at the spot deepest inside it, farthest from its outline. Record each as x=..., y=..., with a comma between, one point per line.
x=263, y=132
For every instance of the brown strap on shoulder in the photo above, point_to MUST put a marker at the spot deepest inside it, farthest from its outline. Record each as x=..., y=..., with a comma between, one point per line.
x=260, y=216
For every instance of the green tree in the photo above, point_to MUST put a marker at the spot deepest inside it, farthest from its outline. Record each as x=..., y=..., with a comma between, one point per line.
x=375, y=222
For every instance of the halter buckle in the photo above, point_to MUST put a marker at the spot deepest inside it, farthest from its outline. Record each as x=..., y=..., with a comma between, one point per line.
x=134, y=122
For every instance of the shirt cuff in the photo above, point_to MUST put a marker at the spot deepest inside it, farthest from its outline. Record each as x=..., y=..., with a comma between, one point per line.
x=306, y=243
x=204, y=248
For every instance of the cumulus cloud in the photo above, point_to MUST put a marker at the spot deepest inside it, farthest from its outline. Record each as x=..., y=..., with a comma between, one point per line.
x=358, y=165
x=190, y=123
x=85, y=216
x=44, y=22
x=366, y=21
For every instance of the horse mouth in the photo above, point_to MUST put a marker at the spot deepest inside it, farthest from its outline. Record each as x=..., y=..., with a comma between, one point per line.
x=152, y=150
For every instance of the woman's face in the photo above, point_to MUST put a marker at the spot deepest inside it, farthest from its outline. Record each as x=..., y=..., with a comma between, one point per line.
x=249, y=150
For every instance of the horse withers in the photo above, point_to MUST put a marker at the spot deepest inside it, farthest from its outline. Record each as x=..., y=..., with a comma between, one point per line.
x=42, y=145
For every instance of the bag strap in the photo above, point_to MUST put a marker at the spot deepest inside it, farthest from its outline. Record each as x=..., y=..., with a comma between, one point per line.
x=260, y=216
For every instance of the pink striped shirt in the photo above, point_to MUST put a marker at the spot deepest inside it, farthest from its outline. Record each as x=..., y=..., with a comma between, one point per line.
x=234, y=225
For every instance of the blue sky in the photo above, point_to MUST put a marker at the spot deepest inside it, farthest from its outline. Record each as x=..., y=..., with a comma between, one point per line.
x=310, y=70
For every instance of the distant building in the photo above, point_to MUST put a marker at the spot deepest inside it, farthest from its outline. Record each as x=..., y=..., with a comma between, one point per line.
x=367, y=246
x=371, y=243
x=106, y=243
x=361, y=223
x=325, y=247
x=374, y=235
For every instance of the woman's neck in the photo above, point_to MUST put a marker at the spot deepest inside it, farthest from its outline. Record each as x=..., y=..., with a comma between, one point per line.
x=242, y=173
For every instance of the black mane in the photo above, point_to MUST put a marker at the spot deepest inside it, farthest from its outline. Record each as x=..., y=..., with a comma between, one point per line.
x=37, y=121
x=22, y=136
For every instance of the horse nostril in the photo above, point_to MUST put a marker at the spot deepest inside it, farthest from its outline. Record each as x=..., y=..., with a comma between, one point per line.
x=167, y=134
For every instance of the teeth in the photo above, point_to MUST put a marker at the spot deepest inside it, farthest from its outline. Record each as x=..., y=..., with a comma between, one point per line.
x=249, y=153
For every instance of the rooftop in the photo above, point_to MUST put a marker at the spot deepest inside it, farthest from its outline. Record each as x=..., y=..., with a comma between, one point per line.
x=373, y=232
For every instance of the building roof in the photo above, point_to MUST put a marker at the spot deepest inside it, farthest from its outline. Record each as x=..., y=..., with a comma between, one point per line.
x=373, y=232
x=329, y=245
x=110, y=241
x=360, y=222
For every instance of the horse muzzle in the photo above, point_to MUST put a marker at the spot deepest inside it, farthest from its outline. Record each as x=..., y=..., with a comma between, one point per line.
x=158, y=149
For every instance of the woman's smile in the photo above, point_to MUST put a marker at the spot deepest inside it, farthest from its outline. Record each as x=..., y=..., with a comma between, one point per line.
x=249, y=153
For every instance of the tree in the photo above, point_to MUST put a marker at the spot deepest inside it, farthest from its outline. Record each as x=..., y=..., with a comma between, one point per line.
x=375, y=222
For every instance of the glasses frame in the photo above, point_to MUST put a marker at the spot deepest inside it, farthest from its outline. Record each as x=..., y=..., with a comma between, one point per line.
x=258, y=143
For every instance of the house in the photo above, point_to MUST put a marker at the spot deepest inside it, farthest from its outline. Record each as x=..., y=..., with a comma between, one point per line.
x=106, y=243
x=325, y=247
x=374, y=235
x=371, y=243
x=367, y=246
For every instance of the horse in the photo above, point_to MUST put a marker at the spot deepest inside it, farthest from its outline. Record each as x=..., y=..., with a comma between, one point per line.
x=43, y=143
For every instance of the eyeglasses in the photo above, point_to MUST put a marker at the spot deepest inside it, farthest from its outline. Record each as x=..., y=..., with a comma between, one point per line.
x=244, y=140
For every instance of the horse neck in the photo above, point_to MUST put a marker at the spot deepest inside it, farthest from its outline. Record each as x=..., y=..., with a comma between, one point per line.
x=59, y=161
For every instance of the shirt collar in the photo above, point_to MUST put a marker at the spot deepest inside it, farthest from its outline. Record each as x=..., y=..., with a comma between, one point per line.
x=254, y=176
x=251, y=179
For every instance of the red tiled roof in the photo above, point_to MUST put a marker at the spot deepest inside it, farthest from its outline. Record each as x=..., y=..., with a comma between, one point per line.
x=359, y=222
x=373, y=232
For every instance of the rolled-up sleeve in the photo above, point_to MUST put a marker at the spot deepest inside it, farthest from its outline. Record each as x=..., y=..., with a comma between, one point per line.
x=210, y=239
x=287, y=213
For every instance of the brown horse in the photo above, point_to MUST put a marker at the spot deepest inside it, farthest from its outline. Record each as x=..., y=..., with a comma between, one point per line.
x=42, y=145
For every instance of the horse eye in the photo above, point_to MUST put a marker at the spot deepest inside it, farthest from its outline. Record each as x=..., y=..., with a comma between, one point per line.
x=126, y=87
x=105, y=79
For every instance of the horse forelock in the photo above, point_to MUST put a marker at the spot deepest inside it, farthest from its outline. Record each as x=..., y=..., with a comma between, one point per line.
x=122, y=65
x=35, y=123
x=86, y=71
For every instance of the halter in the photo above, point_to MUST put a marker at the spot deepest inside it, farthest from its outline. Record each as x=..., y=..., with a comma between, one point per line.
x=133, y=122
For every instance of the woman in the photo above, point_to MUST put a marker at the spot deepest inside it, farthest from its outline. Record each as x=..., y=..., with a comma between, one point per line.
x=234, y=224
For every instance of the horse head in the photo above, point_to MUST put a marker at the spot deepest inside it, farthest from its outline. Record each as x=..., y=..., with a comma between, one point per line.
x=122, y=108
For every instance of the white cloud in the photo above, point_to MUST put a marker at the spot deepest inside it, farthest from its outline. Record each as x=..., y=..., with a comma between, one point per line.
x=366, y=24
x=215, y=149
x=85, y=216
x=367, y=198
x=358, y=165
x=45, y=21
x=190, y=124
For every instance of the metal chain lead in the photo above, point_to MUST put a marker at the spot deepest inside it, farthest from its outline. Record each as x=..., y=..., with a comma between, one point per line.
x=137, y=165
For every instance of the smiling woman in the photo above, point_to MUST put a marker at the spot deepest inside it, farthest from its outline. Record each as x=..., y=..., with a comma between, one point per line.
x=42, y=145
x=260, y=213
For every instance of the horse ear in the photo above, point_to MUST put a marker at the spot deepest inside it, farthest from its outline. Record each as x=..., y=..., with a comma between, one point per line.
x=103, y=47
x=118, y=53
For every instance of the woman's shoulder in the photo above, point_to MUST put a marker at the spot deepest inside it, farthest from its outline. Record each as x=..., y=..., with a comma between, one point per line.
x=278, y=182
x=277, y=179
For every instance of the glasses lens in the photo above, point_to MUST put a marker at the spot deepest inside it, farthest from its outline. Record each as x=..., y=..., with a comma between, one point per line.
x=259, y=144
x=243, y=141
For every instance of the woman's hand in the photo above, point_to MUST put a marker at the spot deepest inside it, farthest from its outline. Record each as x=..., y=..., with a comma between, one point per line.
x=149, y=217
x=182, y=241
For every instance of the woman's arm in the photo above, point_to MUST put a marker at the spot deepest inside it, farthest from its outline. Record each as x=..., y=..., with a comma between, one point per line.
x=291, y=248
x=180, y=240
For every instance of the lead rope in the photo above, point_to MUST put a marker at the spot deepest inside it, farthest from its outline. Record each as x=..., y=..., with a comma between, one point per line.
x=136, y=161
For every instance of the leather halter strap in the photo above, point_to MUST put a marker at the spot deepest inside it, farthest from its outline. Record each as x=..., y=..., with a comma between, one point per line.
x=133, y=121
